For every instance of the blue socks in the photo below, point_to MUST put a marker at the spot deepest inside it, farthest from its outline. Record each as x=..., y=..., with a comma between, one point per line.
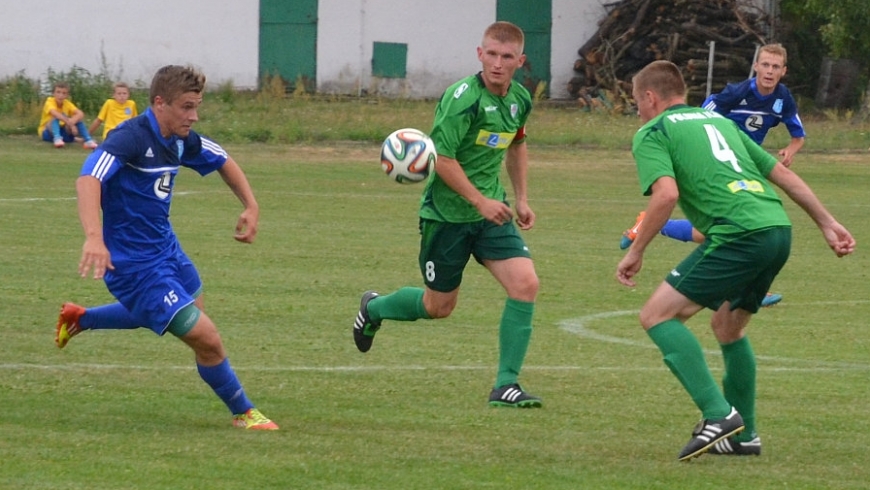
x=678, y=229
x=108, y=317
x=226, y=385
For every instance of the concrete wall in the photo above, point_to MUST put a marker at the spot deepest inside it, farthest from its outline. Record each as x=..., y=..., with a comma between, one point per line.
x=134, y=38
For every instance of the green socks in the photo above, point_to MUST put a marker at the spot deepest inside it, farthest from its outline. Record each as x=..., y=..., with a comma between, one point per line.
x=515, y=328
x=738, y=383
x=406, y=305
x=514, y=333
x=684, y=357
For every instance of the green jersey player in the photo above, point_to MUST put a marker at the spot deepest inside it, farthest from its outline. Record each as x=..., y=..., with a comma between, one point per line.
x=479, y=122
x=722, y=181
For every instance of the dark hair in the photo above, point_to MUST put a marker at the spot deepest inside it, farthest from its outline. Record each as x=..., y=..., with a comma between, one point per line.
x=172, y=81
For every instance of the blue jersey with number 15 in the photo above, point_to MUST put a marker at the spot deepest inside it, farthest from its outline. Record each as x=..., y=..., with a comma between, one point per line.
x=754, y=113
x=137, y=167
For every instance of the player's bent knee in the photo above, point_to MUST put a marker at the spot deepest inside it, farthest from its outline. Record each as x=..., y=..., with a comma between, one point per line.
x=649, y=319
x=440, y=311
x=524, y=290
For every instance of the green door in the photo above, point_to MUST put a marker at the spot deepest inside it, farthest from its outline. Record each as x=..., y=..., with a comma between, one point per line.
x=535, y=19
x=288, y=41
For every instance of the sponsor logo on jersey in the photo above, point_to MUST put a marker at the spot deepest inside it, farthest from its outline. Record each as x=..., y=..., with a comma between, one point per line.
x=498, y=141
x=459, y=90
x=163, y=185
x=743, y=102
x=149, y=153
x=754, y=122
x=746, y=185
x=777, y=106
x=490, y=108
x=675, y=273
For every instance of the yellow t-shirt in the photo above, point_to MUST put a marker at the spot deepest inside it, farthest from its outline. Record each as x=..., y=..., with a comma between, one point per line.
x=112, y=114
x=68, y=108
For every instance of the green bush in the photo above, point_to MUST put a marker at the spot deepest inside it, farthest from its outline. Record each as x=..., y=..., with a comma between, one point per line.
x=87, y=90
x=18, y=95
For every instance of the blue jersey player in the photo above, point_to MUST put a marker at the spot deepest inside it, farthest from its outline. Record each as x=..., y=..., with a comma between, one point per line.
x=130, y=178
x=756, y=105
x=761, y=103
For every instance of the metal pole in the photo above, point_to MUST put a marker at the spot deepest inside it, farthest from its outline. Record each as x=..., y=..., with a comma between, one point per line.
x=754, y=59
x=712, y=45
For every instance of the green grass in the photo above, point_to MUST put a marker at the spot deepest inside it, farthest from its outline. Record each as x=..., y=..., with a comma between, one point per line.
x=126, y=410
x=263, y=118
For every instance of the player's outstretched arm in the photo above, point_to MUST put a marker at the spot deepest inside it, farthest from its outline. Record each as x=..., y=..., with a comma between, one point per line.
x=246, y=226
x=837, y=236
x=661, y=205
x=787, y=154
x=94, y=252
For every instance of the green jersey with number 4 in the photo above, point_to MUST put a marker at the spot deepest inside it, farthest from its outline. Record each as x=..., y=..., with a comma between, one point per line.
x=720, y=172
x=475, y=127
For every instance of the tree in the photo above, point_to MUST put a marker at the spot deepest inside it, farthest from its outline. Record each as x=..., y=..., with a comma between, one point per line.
x=845, y=33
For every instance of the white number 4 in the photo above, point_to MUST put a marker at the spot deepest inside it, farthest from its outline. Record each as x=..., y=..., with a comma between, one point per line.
x=720, y=148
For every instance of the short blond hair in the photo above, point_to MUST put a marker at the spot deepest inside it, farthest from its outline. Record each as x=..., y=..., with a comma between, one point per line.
x=662, y=77
x=505, y=32
x=775, y=49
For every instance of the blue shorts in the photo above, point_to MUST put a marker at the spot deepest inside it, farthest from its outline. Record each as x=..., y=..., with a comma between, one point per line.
x=66, y=135
x=155, y=295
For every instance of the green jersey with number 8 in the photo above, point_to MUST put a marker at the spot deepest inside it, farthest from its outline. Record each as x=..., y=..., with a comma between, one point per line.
x=474, y=127
x=720, y=172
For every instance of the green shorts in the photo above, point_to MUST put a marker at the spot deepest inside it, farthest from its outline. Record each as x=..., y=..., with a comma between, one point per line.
x=736, y=268
x=446, y=247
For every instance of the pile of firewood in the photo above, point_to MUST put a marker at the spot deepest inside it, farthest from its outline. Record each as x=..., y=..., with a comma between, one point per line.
x=636, y=32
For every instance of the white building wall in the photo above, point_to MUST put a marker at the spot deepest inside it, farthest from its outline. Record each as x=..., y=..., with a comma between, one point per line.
x=574, y=23
x=442, y=37
x=134, y=38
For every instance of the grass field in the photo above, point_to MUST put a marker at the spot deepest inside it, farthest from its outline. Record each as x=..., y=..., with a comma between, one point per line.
x=127, y=410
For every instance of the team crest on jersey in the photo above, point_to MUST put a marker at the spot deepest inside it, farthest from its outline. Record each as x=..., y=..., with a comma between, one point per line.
x=459, y=90
x=777, y=106
x=180, y=145
x=514, y=110
x=163, y=186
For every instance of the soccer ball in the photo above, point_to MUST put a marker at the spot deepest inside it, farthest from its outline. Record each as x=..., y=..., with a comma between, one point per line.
x=408, y=156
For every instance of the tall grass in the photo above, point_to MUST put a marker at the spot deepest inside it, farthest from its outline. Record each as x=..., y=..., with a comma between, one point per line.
x=274, y=116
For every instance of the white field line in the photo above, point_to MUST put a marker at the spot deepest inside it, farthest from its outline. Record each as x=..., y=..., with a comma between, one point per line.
x=580, y=326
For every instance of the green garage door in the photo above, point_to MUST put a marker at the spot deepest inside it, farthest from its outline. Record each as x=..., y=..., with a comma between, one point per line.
x=288, y=41
x=535, y=18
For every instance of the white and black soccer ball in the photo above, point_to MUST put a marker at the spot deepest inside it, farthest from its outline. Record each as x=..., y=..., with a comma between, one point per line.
x=408, y=156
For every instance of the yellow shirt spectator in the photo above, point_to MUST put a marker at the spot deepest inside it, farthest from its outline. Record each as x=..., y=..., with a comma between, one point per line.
x=112, y=114
x=66, y=107
x=115, y=110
